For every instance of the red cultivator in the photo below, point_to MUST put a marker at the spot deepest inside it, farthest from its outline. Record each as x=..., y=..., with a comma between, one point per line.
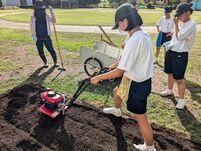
x=55, y=103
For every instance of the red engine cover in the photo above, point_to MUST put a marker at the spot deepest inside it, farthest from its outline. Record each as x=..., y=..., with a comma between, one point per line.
x=48, y=112
x=55, y=99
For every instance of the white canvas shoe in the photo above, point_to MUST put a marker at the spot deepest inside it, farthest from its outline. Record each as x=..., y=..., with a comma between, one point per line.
x=144, y=147
x=167, y=92
x=181, y=104
x=112, y=110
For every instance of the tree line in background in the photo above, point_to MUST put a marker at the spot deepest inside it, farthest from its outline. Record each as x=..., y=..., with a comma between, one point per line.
x=169, y=2
x=83, y=3
x=114, y=3
x=154, y=2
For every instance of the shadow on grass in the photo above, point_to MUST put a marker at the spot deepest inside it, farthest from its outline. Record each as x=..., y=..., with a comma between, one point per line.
x=191, y=124
x=195, y=90
x=38, y=78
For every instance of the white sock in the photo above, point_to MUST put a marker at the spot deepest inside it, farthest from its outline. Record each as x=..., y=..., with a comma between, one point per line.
x=150, y=148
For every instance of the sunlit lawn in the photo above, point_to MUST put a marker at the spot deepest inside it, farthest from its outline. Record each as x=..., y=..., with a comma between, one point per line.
x=96, y=16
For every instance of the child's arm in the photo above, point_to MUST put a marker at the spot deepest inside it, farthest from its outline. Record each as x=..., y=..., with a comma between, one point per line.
x=173, y=27
x=158, y=24
x=176, y=27
x=32, y=26
x=184, y=32
x=52, y=17
x=109, y=75
x=158, y=29
x=114, y=65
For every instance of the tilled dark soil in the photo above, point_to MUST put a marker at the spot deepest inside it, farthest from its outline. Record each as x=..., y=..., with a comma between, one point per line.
x=83, y=128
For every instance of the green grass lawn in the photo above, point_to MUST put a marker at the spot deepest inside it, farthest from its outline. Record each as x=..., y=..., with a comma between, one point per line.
x=159, y=111
x=68, y=41
x=14, y=10
x=100, y=16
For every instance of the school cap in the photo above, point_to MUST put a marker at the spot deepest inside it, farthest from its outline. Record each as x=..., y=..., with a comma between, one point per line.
x=168, y=9
x=182, y=8
x=39, y=4
x=122, y=12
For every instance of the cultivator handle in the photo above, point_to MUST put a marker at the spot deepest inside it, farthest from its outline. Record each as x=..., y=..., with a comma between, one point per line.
x=85, y=83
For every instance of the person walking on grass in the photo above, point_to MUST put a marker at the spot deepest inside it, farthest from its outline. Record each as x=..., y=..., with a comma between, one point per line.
x=176, y=58
x=41, y=31
x=165, y=26
x=136, y=67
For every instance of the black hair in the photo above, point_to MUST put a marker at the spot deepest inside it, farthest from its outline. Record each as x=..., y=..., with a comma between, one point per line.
x=191, y=11
x=134, y=20
x=190, y=8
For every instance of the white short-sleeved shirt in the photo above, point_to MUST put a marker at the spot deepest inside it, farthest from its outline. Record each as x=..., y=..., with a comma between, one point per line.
x=137, y=57
x=167, y=25
x=186, y=37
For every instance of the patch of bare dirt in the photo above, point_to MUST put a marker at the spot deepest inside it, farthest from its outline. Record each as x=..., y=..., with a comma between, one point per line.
x=83, y=128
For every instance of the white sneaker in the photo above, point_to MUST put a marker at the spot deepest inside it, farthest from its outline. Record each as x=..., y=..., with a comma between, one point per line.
x=181, y=104
x=45, y=65
x=56, y=65
x=144, y=147
x=167, y=92
x=112, y=110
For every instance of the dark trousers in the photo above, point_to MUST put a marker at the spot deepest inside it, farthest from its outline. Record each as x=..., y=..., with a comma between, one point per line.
x=49, y=46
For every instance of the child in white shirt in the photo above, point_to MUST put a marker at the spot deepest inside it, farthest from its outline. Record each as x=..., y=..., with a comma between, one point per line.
x=176, y=59
x=136, y=67
x=165, y=26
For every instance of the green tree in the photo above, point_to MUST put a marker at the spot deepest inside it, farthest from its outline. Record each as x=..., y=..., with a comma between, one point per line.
x=117, y=2
x=88, y=2
x=1, y=4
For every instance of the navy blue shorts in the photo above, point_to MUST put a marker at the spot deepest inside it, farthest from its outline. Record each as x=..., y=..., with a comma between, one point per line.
x=138, y=94
x=176, y=63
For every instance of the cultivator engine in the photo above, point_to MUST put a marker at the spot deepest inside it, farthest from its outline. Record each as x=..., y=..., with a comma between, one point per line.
x=54, y=103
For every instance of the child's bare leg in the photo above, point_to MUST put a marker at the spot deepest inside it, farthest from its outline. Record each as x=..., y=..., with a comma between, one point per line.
x=117, y=99
x=145, y=128
x=157, y=51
